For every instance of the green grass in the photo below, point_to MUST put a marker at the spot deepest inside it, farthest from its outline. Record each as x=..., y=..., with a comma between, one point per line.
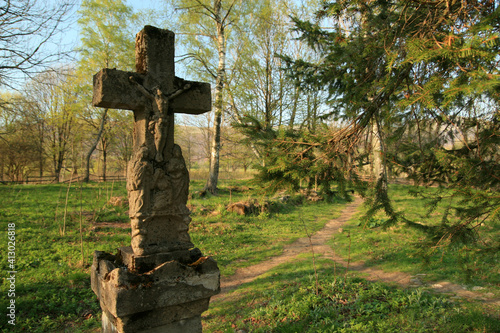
x=238, y=241
x=53, y=287
x=52, y=284
x=404, y=249
x=285, y=300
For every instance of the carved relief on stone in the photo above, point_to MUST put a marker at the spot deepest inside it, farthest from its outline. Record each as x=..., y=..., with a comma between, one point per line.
x=139, y=178
x=155, y=195
x=179, y=175
x=162, y=191
x=158, y=179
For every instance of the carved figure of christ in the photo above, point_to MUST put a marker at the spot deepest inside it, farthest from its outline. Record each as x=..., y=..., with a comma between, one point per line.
x=157, y=179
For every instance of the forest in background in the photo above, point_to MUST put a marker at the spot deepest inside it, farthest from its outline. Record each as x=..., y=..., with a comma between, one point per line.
x=317, y=92
x=50, y=129
x=334, y=96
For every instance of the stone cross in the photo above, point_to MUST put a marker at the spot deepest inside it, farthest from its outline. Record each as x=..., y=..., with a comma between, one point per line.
x=157, y=177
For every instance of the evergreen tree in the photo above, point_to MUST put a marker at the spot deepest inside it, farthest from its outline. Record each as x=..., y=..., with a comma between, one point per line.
x=424, y=77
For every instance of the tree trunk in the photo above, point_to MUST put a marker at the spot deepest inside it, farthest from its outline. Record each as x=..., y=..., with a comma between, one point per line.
x=59, y=166
x=240, y=121
x=380, y=159
x=294, y=107
x=86, y=178
x=60, y=155
x=40, y=149
x=213, y=176
x=268, y=115
x=104, y=146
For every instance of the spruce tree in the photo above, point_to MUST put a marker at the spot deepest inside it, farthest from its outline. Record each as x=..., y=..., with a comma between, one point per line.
x=423, y=76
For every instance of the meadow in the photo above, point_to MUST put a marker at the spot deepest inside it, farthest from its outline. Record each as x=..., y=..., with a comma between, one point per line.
x=59, y=226
x=470, y=264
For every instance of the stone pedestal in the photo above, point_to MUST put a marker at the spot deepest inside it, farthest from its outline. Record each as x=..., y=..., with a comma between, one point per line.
x=139, y=295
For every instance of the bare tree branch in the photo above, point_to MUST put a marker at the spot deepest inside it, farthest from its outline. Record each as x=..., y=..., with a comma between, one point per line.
x=26, y=28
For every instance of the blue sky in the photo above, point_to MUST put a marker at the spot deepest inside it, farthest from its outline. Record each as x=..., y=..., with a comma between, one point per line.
x=70, y=35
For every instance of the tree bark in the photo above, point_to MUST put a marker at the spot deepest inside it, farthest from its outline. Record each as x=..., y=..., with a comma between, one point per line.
x=104, y=147
x=213, y=175
x=41, y=134
x=86, y=178
x=294, y=107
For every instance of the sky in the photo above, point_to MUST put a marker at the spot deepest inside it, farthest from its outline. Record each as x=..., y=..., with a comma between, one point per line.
x=70, y=35
x=68, y=39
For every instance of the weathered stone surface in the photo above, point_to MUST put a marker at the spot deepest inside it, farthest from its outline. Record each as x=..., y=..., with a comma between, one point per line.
x=157, y=177
x=194, y=101
x=160, y=283
x=162, y=316
x=106, y=260
x=123, y=293
x=114, y=89
x=150, y=325
x=142, y=264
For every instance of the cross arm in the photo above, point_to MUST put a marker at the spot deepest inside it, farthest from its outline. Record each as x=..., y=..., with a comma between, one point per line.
x=196, y=100
x=115, y=90
x=121, y=90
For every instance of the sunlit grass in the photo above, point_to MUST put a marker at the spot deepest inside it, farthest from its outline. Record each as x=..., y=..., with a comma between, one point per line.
x=405, y=249
x=53, y=286
x=285, y=300
x=53, y=259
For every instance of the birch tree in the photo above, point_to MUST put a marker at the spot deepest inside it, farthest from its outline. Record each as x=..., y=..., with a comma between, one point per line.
x=206, y=28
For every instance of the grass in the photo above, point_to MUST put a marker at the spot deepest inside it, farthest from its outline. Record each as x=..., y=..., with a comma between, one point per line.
x=53, y=255
x=405, y=249
x=238, y=241
x=284, y=300
x=52, y=284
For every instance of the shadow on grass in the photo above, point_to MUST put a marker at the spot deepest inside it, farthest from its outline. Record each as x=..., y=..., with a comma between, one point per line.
x=285, y=300
x=58, y=305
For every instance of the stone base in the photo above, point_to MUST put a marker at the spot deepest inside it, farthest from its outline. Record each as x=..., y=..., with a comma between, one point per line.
x=143, y=264
x=168, y=298
x=182, y=326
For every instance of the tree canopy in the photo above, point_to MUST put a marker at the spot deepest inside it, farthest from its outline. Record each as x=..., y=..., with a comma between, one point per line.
x=420, y=78
x=385, y=88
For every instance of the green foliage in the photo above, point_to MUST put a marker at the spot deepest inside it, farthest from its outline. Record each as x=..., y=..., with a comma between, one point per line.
x=107, y=41
x=106, y=38
x=422, y=78
x=292, y=156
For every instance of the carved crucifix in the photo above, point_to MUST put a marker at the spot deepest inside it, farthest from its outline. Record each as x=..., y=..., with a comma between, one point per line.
x=157, y=178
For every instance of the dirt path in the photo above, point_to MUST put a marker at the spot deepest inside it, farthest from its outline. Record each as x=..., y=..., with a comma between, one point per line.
x=320, y=246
